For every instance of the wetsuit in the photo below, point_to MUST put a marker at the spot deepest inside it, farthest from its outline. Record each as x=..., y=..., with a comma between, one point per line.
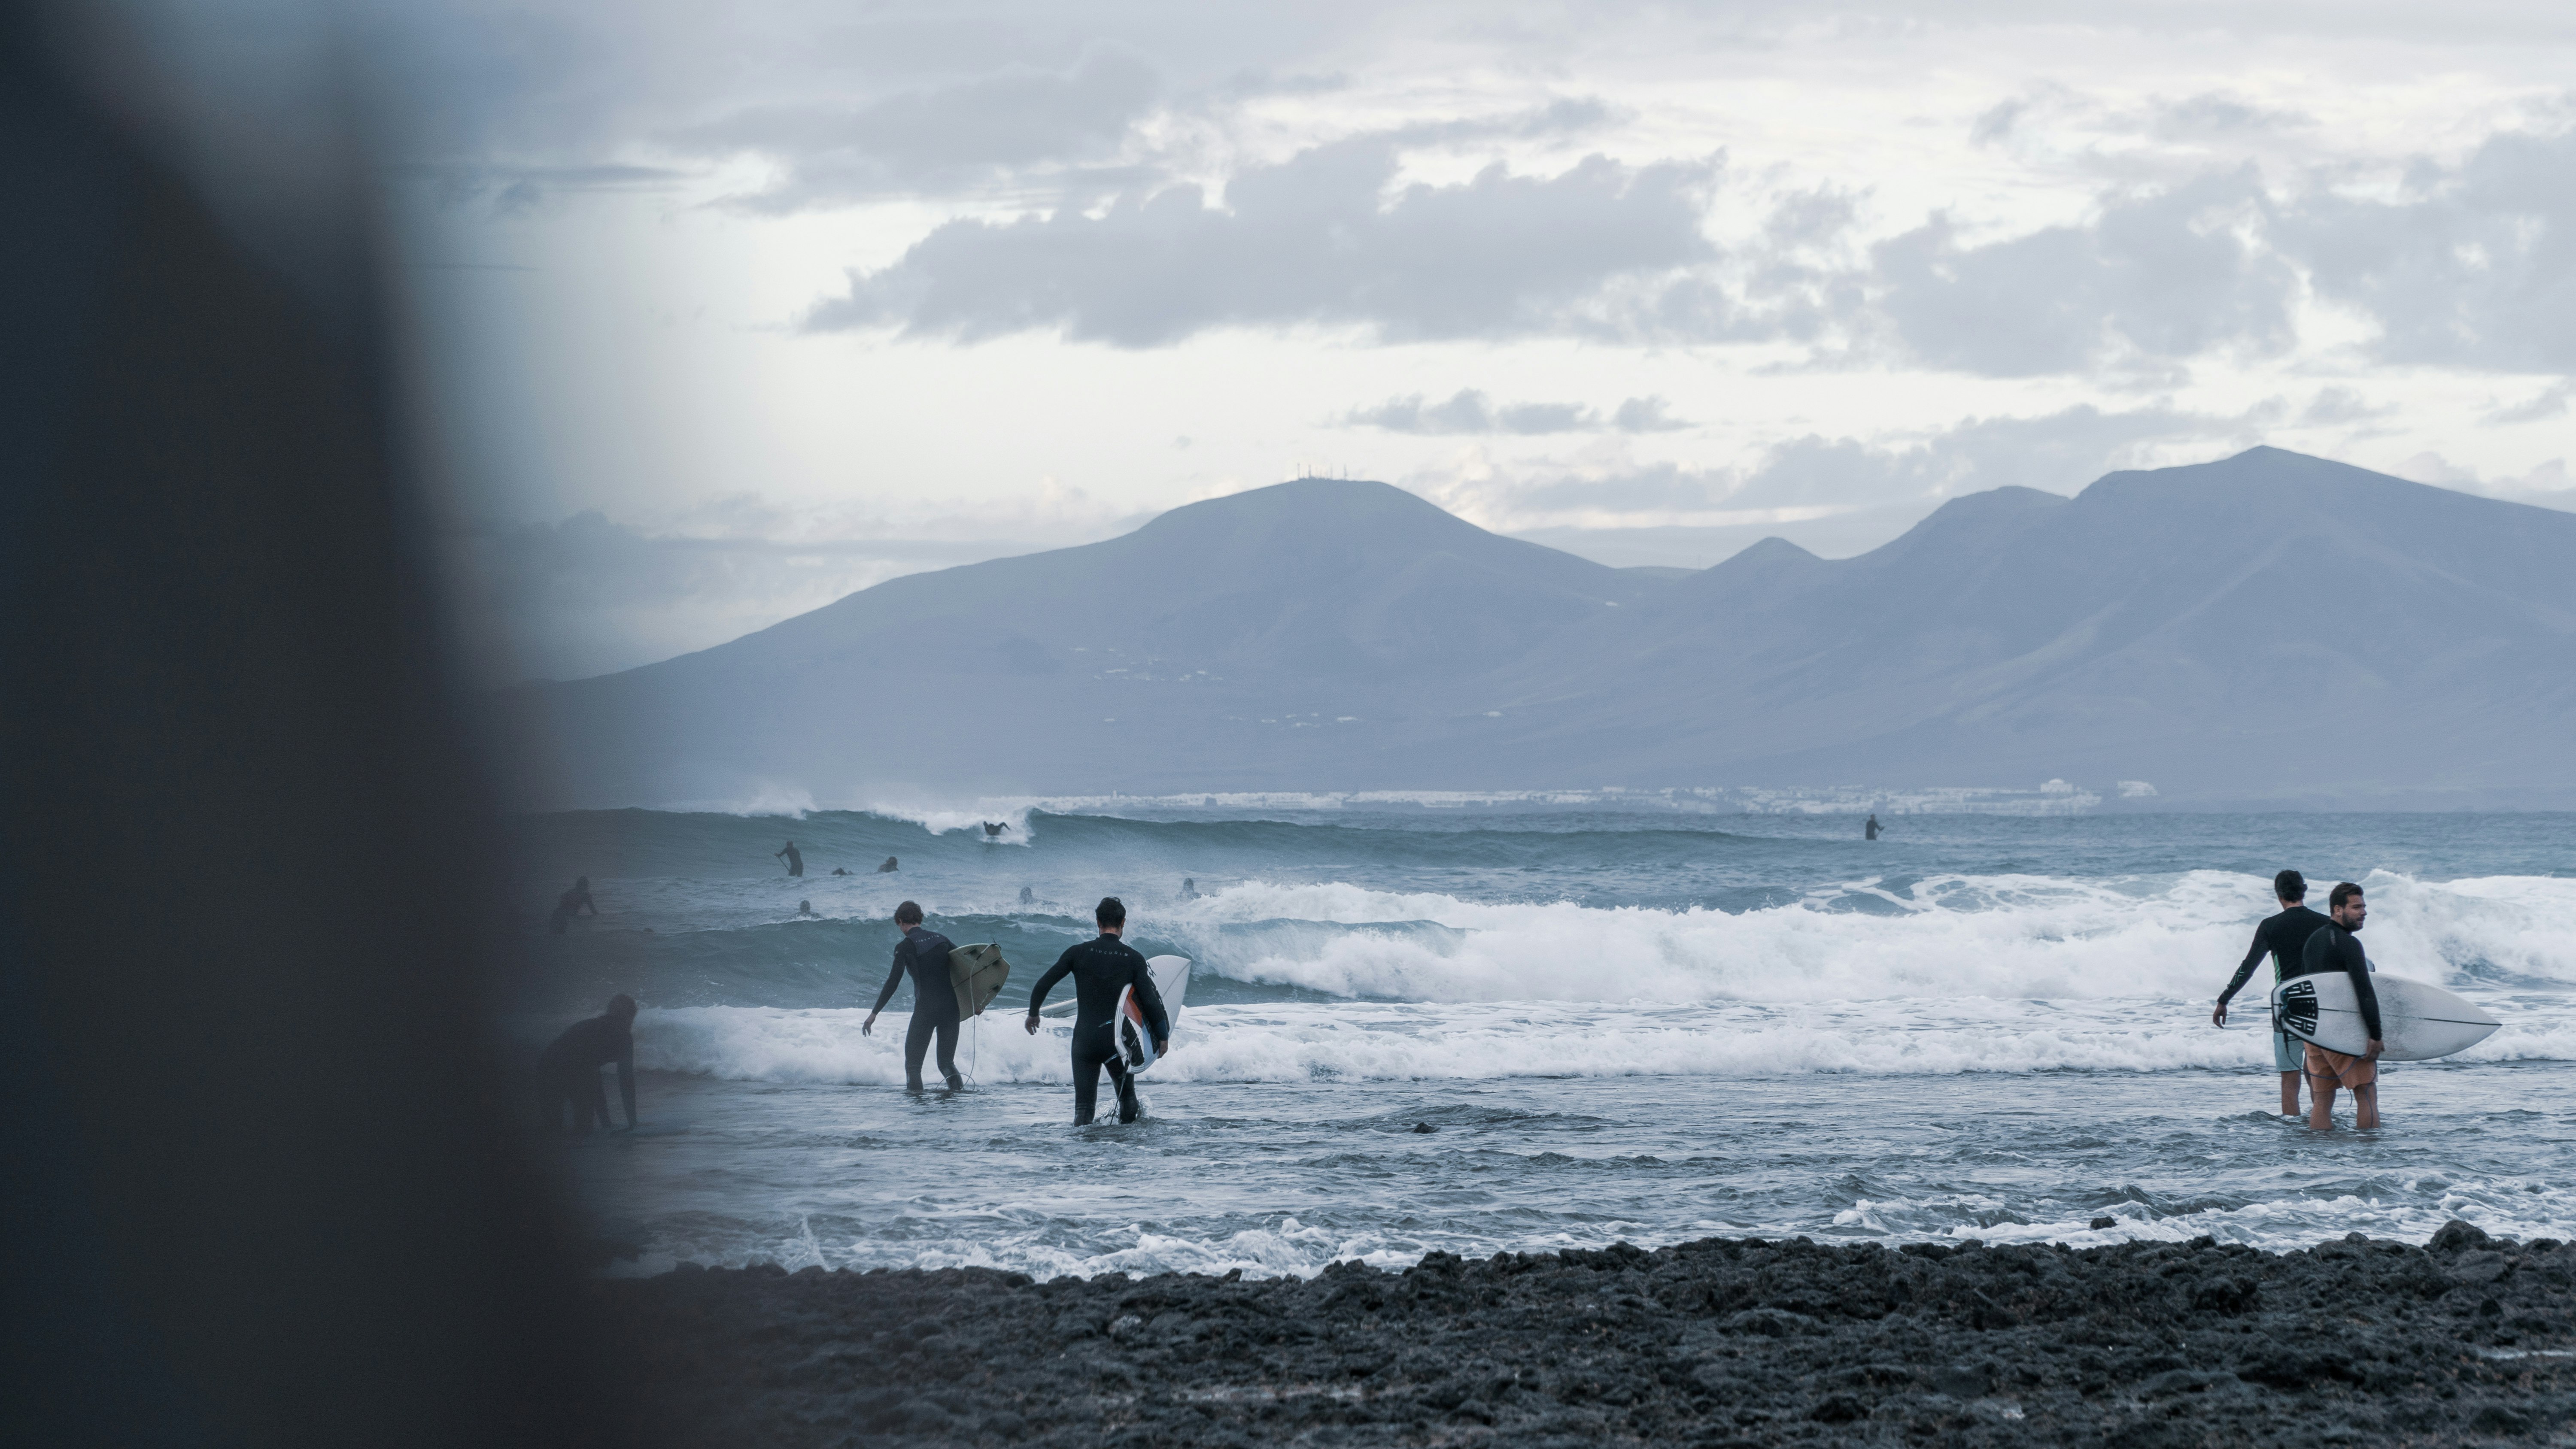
x=1100, y=969
x=924, y=953
x=2285, y=939
x=2333, y=948
x=568, y=1071
x=795, y=858
x=572, y=903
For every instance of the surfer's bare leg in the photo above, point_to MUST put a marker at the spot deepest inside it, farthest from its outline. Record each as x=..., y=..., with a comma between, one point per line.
x=2365, y=1106
x=2289, y=1094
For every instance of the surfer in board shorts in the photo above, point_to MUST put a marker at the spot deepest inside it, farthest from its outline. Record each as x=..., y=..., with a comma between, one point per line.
x=2284, y=938
x=2332, y=947
x=924, y=953
x=1100, y=969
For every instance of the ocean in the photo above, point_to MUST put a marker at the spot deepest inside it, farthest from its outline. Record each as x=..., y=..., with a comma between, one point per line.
x=1623, y=1016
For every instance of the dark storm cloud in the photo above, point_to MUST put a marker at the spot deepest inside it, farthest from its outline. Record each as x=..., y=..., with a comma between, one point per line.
x=1315, y=239
x=1471, y=412
x=938, y=139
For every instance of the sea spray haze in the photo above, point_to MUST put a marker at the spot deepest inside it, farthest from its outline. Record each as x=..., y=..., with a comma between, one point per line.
x=1626, y=1017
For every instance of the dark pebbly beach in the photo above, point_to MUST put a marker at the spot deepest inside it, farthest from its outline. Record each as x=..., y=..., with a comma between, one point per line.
x=2465, y=1339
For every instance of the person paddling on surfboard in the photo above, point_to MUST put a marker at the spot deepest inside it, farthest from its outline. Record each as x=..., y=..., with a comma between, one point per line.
x=2332, y=947
x=1100, y=970
x=924, y=953
x=795, y=858
x=2284, y=938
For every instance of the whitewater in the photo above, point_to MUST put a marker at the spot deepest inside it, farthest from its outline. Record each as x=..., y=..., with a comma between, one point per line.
x=1621, y=1016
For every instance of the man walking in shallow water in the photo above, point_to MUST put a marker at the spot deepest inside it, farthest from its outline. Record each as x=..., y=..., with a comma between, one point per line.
x=1100, y=969
x=2334, y=948
x=2284, y=938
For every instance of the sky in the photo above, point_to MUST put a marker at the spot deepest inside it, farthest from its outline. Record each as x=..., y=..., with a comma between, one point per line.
x=726, y=311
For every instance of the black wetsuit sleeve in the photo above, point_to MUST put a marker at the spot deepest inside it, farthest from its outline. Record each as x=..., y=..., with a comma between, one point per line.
x=1063, y=966
x=2245, y=968
x=2357, y=966
x=893, y=977
x=1150, y=1001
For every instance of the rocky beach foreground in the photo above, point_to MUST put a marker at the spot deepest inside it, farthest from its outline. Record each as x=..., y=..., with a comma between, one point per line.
x=2465, y=1339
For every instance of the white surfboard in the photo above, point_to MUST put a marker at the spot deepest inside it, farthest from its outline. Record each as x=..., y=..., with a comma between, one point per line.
x=2419, y=1021
x=1171, y=981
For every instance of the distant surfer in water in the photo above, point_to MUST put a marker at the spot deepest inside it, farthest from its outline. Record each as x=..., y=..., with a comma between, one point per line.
x=993, y=831
x=924, y=953
x=2284, y=938
x=840, y=870
x=1028, y=897
x=568, y=1069
x=888, y=867
x=804, y=908
x=1189, y=888
x=795, y=858
x=1870, y=829
x=2332, y=947
x=1100, y=969
x=574, y=902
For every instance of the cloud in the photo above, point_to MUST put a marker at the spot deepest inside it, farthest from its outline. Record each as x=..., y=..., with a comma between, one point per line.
x=2547, y=404
x=517, y=190
x=1471, y=412
x=939, y=139
x=2334, y=405
x=2476, y=269
x=1316, y=240
x=2167, y=274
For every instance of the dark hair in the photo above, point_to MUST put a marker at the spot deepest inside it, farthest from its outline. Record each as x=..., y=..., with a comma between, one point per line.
x=907, y=914
x=621, y=1005
x=2340, y=894
x=1110, y=912
x=2289, y=885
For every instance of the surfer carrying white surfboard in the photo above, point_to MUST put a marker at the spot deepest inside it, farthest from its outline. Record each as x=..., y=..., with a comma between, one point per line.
x=1101, y=969
x=924, y=953
x=2284, y=938
x=2332, y=947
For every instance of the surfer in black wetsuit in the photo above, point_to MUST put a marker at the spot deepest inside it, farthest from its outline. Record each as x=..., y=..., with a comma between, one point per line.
x=795, y=858
x=888, y=868
x=924, y=953
x=574, y=902
x=2284, y=938
x=568, y=1069
x=993, y=831
x=2333, y=947
x=1870, y=828
x=1100, y=969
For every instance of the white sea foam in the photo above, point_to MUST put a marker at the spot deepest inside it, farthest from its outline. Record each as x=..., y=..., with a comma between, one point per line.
x=940, y=818
x=1299, y=1042
x=1942, y=937
x=792, y=801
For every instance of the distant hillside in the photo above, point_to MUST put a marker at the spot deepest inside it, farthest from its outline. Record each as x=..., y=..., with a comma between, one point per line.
x=2270, y=627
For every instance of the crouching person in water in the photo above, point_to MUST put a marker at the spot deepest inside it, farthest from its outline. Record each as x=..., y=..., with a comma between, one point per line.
x=568, y=1071
x=924, y=953
x=1099, y=968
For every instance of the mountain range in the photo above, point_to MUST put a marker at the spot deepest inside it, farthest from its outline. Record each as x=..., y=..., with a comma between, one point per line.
x=2267, y=629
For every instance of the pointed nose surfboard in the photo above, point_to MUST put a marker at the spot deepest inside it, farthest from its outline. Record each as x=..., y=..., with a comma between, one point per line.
x=2418, y=1021
x=1135, y=1039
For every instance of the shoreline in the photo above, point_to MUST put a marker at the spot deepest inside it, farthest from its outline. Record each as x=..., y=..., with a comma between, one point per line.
x=1717, y=1342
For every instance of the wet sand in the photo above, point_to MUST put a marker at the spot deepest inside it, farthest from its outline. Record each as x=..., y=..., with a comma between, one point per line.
x=2463, y=1340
